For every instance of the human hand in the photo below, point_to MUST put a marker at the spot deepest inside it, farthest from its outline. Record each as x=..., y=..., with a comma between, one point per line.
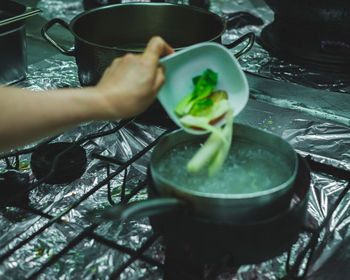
x=131, y=83
x=126, y=89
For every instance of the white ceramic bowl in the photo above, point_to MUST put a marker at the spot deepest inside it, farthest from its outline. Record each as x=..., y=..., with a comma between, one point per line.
x=187, y=63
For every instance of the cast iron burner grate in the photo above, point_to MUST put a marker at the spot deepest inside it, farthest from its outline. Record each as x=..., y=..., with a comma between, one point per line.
x=12, y=182
x=187, y=271
x=69, y=160
x=308, y=46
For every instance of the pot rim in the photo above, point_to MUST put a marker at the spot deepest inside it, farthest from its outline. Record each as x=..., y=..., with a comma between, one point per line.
x=188, y=192
x=78, y=17
x=14, y=10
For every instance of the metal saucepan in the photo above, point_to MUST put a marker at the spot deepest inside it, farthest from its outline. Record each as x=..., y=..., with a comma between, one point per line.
x=101, y=34
x=199, y=241
x=211, y=206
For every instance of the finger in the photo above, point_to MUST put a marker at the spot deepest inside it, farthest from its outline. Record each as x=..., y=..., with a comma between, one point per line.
x=156, y=48
x=116, y=62
x=159, y=80
x=167, y=49
x=107, y=70
x=105, y=75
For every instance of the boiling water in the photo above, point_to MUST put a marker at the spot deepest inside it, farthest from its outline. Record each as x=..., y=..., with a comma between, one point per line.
x=248, y=168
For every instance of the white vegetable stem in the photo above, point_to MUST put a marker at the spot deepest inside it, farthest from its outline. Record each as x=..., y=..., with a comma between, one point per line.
x=215, y=149
x=204, y=154
x=202, y=122
x=219, y=159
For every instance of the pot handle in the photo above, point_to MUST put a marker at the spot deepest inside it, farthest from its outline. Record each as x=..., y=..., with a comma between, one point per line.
x=44, y=33
x=251, y=40
x=149, y=207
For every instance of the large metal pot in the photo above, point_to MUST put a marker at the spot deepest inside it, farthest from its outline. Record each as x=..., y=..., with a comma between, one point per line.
x=193, y=240
x=101, y=34
x=219, y=207
x=203, y=227
x=13, y=47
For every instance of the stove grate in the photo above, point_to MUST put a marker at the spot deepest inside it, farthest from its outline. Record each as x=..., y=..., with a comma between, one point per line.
x=292, y=270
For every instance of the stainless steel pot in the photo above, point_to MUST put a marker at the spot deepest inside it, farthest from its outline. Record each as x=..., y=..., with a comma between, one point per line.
x=13, y=49
x=101, y=34
x=197, y=241
x=218, y=207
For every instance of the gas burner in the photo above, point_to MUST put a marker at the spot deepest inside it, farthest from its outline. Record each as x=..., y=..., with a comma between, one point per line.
x=13, y=185
x=304, y=45
x=176, y=268
x=67, y=160
x=197, y=241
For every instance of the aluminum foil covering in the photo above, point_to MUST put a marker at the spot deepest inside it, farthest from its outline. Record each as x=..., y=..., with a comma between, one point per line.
x=40, y=75
x=65, y=10
x=327, y=143
x=324, y=141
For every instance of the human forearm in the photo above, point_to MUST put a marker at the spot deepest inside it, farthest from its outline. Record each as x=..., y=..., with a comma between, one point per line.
x=27, y=116
x=127, y=87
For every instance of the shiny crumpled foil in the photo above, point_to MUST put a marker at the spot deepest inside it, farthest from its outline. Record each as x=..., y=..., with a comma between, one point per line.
x=65, y=10
x=324, y=141
x=327, y=143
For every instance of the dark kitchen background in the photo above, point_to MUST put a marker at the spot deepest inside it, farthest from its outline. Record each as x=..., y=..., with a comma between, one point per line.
x=298, y=73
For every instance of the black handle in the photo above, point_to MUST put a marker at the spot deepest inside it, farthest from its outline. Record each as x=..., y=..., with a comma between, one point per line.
x=143, y=208
x=251, y=40
x=44, y=33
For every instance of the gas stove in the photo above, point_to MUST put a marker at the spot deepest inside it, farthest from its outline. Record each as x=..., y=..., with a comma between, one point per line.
x=26, y=206
x=47, y=231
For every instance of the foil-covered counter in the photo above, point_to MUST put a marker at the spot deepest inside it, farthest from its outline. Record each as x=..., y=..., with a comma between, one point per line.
x=324, y=140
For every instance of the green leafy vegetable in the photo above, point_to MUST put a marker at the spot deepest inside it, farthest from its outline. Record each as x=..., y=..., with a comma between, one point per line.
x=203, y=121
x=203, y=102
x=204, y=85
x=199, y=110
x=195, y=80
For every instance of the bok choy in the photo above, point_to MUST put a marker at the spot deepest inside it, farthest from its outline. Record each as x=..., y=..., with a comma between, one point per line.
x=204, y=85
x=200, y=110
x=215, y=149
